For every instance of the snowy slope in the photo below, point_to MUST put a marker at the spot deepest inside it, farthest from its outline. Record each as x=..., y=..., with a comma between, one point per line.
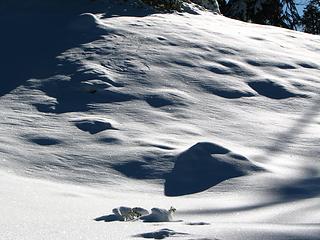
x=103, y=107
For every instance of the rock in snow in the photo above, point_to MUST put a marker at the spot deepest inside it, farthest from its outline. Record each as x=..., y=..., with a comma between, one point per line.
x=159, y=215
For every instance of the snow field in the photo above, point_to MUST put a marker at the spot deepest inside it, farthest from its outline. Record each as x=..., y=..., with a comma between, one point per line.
x=102, y=109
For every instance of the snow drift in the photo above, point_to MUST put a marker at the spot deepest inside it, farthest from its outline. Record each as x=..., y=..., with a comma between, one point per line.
x=203, y=166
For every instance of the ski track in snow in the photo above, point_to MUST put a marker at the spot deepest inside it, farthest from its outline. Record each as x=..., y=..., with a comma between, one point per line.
x=131, y=107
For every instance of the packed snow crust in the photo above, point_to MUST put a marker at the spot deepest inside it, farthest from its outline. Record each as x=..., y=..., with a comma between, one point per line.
x=106, y=104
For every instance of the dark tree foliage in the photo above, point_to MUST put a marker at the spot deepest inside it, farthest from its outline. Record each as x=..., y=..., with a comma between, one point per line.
x=282, y=13
x=269, y=13
x=222, y=5
x=165, y=4
x=311, y=17
x=290, y=14
x=178, y=5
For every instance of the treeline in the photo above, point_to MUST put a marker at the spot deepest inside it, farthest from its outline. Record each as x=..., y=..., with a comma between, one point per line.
x=281, y=13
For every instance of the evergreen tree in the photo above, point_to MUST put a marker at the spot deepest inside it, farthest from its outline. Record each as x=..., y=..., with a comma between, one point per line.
x=290, y=15
x=282, y=13
x=311, y=17
x=222, y=5
x=178, y=5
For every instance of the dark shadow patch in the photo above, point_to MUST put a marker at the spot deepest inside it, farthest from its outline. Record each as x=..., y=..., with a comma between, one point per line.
x=109, y=96
x=164, y=99
x=41, y=25
x=308, y=65
x=149, y=167
x=197, y=223
x=218, y=70
x=258, y=39
x=256, y=63
x=133, y=169
x=107, y=218
x=45, y=107
x=224, y=91
x=110, y=140
x=227, y=51
x=160, y=234
x=284, y=66
x=93, y=126
x=184, y=63
x=45, y=141
x=228, y=64
x=71, y=97
x=161, y=38
x=231, y=94
x=138, y=170
x=158, y=101
x=271, y=89
x=262, y=63
x=163, y=147
x=203, y=166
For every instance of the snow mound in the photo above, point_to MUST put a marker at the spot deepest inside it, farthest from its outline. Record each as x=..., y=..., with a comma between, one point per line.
x=203, y=166
x=84, y=22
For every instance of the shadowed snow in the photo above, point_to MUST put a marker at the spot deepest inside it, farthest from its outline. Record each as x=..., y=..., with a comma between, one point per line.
x=204, y=165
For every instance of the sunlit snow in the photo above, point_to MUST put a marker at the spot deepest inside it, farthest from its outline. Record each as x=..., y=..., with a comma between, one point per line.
x=107, y=104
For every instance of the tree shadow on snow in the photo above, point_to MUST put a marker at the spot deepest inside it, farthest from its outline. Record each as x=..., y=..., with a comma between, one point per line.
x=283, y=140
x=301, y=188
x=34, y=34
x=290, y=191
x=281, y=194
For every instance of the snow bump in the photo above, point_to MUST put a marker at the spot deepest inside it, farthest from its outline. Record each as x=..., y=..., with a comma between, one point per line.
x=204, y=165
x=167, y=97
x=84, y=22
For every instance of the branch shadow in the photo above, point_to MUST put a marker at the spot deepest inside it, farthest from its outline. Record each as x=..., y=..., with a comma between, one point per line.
x=299, y=190
x=284, y=139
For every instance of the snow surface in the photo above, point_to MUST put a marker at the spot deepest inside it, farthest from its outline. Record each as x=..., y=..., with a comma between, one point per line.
x=106, y=105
